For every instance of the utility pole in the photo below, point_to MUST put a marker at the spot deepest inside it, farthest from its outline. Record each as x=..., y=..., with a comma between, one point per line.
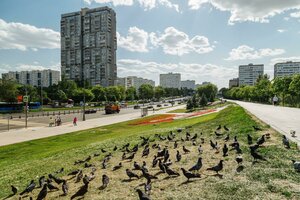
x=8, y=122
x=26, y=107
x=83, y=115
x=41, y=95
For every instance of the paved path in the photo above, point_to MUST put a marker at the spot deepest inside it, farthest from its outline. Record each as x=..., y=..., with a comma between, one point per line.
x=282, y=119
x=21, y=135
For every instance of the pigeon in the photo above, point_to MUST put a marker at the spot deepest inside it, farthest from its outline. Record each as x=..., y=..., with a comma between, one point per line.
x=217, y=168
x=296, y=165
x=51, y=186
x=136, y=166
x=56, y=180
x=239, y=159
x=213, y=145
x=103, y=151
x=225, y=127
x=256, y=156
x=65, y=188
x=197, y=166
x=202, y=140
x=130, y=174
x=14, y=190
x=261, y=140
x=29, y=188
x=237, y=148
x=171, y=172
x=105, y=181
x=249, y=139
x=185, y=150
x=194, y=137
x=175, y=145
x=81, y=192
x=86, y=180
x=257, y=128
x=79, y=176
x=43, y=193
x=154, y=161
x=189, y=175
x=178, y=156
x=285, y=142
x=142, y=195
x=144, y=166
x=72, y=173
x=96, y=154
x=218, y=134
x=147, y=175
x=135, y=148
x=117, y=167
x=226, y=139
x=200, y=150
x=115, y=148
x=60, y=171
x=88, y=159
x=41, y=181
x=148, y=186
x=161, y=166
x=219, y=127
x=131, y=157
x=146, y=152
x=124, y=156
x=225, y=150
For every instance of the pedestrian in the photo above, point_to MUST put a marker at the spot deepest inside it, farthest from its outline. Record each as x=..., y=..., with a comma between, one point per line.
x=275, y=100
x=51, y=122
x=75, y=121
x=58, y=121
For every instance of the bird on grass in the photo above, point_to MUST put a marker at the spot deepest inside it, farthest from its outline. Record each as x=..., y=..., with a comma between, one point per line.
x=225, y=127
x=147, y=175
x=72, y=173
x=194, y=137
x=175, y=145
x=14, y=189
x=226, y=139
x=285, y=142
x=142, y=195
x=29, y=188
x=56, y=180
x=65, y=188
x=105, y=181
x=256, y=128
x=249, y=139
x=51, y=187
x=200, y=149
x=79, y=176
x=103, y=150
x=136, y=166
x=218, y=134
x=197, y=166
x=178, y=156
x=219, y=127
x=213, y=145
x=59, y=171
x=115, y=148
x=171, y=172
x=131, y=157
x=88, y=159
x=144, y=166
x=217, y=168
x=185, y=150
x=161, y=166
x=117, y=166
x=296, y=165
x=146, y=152
x=154, y=161
x=225, y=150
x=81, y=192
x=148, y=186
x=239, y=159
x=43, y=193
x=131, y=175
x=256, y=156
x=261, y=140
x=190, y=175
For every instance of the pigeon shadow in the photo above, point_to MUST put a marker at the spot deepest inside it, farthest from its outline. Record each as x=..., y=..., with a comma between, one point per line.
x=220, y=176
x=8, y=196
x=102, y=187
x=240, y=168
x=169, y=177
x=187, y=182
x=127, y=180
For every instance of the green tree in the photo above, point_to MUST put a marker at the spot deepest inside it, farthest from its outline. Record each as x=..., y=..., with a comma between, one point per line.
x=159, y=92
x=8, y=91
x=146, y=91
x=210, y=91
x=189, y=105
x=122, y=92
x=79, y=95
x=99, y=93
x=33, y=93
x=61, y=96
x=281, y=86
x=68, y=86
x=112, y=93
x=294, y=87
x=203, y=100
x=263, y=88
x=131, y=93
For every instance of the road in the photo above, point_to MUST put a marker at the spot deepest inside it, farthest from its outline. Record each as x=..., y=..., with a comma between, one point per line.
x=282, y=119
x=31, y=133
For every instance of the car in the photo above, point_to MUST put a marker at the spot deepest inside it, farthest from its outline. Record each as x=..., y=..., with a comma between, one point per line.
x=90, y=111
x=150, y=107
x=166, y=104
x=136, y=107
x=158, y=105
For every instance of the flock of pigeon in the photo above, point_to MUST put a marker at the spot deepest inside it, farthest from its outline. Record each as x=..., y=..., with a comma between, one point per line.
x=161, y=161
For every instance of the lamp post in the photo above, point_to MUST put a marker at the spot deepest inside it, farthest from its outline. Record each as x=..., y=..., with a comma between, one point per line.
x=83, y=114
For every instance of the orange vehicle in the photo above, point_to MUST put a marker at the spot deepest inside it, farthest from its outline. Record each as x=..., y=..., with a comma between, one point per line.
x=112, y=108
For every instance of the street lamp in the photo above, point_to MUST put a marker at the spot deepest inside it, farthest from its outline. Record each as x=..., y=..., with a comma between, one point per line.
x=83, y=114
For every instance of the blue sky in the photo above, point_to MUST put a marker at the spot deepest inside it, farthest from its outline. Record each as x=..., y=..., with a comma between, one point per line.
x=204, y=40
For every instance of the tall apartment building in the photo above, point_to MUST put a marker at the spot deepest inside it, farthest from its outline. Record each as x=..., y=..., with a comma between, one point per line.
x=189, y=84
x=233, y=82
x=248, y=74
x=134, y=81
x=286, y=69
x=44, y=78
x=88, y=46
x=170, y=80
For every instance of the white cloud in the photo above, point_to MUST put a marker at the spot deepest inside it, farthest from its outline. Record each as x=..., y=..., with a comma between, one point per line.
x=194, y=71
x=146, y=4
x=176, y=42
x=295, y=14
x=245, y=10
x=24, y=36
x=281, y=30
x=135, y=41
x=284, y=59
x=245, y=52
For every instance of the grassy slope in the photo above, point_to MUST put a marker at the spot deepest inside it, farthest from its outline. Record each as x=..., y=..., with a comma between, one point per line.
x=274, y=179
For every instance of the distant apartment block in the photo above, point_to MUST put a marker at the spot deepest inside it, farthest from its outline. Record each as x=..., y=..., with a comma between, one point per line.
x=170, y=80
x=44, y=78
x=134, y=81
x=286, y=69
x=233, y=82
x=189, y=84
x=88, y=46
x=248, y=74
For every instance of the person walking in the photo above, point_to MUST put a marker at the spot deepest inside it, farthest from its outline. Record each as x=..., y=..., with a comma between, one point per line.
x=75, y=121
x=275, y=100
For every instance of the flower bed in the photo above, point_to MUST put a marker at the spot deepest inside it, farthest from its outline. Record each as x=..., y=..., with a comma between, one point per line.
x=154, y=120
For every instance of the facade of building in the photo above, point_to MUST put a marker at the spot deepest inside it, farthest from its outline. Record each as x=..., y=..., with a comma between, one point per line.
x=286, y=69
x=248, y=74
x=189, y=84
x=134, y=81
x=88, y=46
x=170, y=80
x=233, y=82
x=44, y=78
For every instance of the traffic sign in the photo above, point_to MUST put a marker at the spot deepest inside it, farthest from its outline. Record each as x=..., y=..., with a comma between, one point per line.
x=25, y=99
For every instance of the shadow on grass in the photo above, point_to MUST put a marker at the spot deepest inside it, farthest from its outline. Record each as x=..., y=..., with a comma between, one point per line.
x=11, y=195
x=128, y=180
x=240, y=168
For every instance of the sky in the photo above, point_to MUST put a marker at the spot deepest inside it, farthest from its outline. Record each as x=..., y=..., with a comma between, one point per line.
x=204, y=40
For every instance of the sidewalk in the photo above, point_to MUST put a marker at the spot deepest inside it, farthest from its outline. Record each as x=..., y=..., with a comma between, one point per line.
x=21, y=135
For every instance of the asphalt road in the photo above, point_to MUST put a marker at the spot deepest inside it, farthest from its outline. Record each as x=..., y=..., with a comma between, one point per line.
x=282, y=119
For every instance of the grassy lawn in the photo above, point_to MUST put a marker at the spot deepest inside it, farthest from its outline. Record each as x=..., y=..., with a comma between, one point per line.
x=272, y=179
x=184, y=110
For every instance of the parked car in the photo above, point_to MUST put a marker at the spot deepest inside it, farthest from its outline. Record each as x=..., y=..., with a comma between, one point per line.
x=150, y=107
x=136, y=107
x=158, y=105
x=90, y=111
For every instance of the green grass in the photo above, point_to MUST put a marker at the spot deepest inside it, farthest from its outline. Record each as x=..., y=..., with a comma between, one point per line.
x=274, y=179
x=214, y=106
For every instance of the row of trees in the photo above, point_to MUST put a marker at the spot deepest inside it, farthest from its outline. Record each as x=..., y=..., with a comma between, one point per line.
x=203, y=95
x=286, y=88
x=68, y=89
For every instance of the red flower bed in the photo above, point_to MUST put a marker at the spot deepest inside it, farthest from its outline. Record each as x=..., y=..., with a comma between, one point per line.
x=202, y=112
x=154, y=120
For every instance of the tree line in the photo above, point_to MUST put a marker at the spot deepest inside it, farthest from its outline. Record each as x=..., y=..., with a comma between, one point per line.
x=287, y=89
x=68, y=89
